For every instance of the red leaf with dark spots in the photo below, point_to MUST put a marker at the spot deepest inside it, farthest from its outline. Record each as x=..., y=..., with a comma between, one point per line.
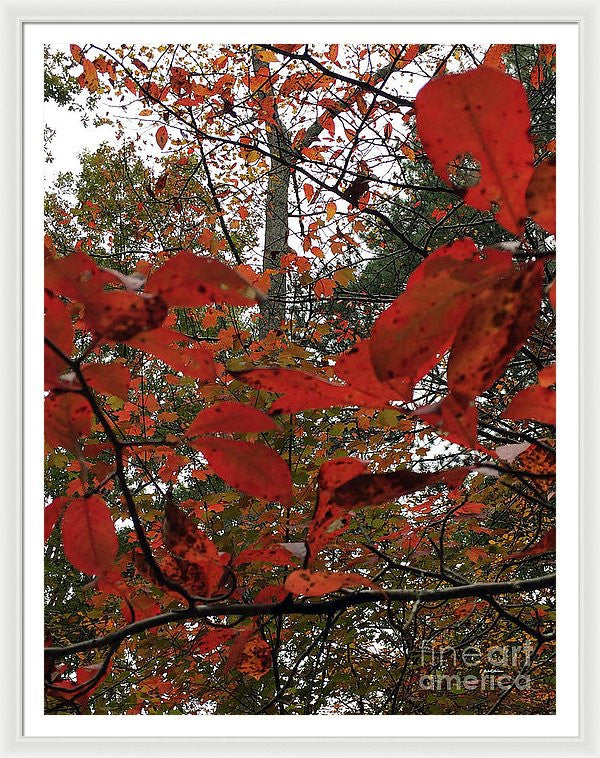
x=481, y=113
x=190, y=281
x=317, y=583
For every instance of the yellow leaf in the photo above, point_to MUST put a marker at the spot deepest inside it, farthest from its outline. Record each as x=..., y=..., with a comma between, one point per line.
x=268, y=56
x=331, y=209
x=344, y=276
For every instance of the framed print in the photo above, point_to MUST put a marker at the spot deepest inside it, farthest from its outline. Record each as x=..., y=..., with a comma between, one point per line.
x=304, y=426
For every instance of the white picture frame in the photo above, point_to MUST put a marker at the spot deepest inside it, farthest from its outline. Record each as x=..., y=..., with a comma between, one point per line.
x=319, y=735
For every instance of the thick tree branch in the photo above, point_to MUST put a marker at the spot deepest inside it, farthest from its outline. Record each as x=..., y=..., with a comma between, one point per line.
x=309, y=607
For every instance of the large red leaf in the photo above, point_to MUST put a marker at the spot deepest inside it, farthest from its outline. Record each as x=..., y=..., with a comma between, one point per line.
x=67, y=418
x=455, y=419
x=409, y=338
x=250, y=467
x=118, y=315
x=189, y=280
x=302, y=391
x=76, y=276
x=355, y=367
x=373, y=489
x=59, y=330
x=496, y=326
x=184, y=539
x=482, y=113
x=330, y=520
x=173, y=348
x=317, y=583
x=89, y=537
x=52, y=514
x=535, y=403
x=230, y=417
x=108, y=378
x=199, y=579
x=541, y=195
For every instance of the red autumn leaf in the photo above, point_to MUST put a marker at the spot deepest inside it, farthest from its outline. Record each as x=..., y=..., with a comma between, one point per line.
x=324, y=287
x=330, y=520
x=59, y=330
x=250, y=467
x=89, y=536
x=409, y=338
x=496, y=326
x=119, y=315
x=481, y=113
x=213, y=639
x=303, y=391
x=67, y=418
x=546, y=544
x=184, y=539
x=199, y=579
x=162, y=137
x=140, y=606
x=541, y=195
x=317, y=583
x=195, y=361
x=455, y=419
x=76, y=276
x=547, y=376
x=190, y=281
x=72, y=690
x=108, y=378
x=356, y=369
x=90, y=75
x=373, y=489
x=536, y=403
x=230, y=417
x=52, y=514
x=276, y=555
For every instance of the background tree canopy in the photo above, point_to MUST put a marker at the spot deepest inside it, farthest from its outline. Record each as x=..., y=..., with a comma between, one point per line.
x=299, y=373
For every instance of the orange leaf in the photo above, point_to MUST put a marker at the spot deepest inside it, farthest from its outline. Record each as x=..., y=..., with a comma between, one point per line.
x=324, y=287
x=317, y=583
x=309, y=191
x=162, y=137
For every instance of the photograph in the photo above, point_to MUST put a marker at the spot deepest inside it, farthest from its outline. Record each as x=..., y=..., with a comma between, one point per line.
x=299, y=377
